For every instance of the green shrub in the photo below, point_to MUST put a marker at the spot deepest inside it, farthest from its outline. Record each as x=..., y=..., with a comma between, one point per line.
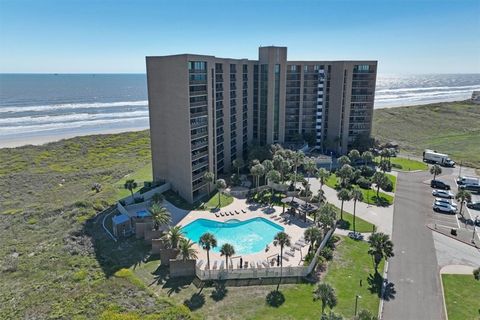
x=327, y=253
x=80, y=275
x=364, y=183
x=476, y=273
x=388, y=186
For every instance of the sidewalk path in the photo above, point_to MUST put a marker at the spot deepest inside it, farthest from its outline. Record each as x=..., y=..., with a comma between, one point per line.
x=382, y=217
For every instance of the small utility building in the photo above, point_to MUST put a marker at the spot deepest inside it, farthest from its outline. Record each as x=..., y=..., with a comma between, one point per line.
x=122, y=225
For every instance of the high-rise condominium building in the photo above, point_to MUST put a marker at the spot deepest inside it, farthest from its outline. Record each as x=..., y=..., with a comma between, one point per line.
x=205, y=111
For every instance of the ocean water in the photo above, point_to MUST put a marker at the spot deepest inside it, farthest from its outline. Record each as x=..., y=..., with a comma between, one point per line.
x=35, y=108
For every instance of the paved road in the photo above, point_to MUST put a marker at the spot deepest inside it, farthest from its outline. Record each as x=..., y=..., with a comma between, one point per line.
x=414, y=269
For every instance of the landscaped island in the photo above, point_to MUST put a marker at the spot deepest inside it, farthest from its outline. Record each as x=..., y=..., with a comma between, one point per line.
x=450, y=127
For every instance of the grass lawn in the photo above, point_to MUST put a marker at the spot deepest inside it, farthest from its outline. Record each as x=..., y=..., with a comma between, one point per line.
x=360, y=224
x=416, y=128
x=461, y=296
x=351, y=264
x=369, y=195
x=406, y=164
x=140, y=176
x=225, y=200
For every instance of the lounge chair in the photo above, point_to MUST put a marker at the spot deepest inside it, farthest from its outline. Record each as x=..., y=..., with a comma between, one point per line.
x=290, y=253
x=265, y=264
x=285, y=258
x=215, y=265
x=297, y=247
x=259, y=264
x=237, y=212
x=244, y=211
x=221, y=213
x=216, y=215
x=222, y=264
x=199, y=263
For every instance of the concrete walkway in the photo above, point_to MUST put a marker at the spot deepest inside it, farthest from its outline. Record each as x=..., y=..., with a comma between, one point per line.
x=382, y=217
x=457, y=269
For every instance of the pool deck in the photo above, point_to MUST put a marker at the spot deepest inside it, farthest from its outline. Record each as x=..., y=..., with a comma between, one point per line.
x=295, y=229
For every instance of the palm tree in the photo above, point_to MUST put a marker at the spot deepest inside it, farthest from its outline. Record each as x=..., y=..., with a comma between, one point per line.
x=384, y=165
x=354, y=155
x=321, y=198
x=273, y=176
x=207, y=241
x=380, y=179
x=463, y=196
x=221, y=186
x=357, y=195
x=380, y=247
x=257, y=171
x=160, y=215
x=174, y=236
x=297, y=160
x=343, y=160
x=343, y=195
x=345, y=173
x=209, y=177
x=157, y=198
x=367, y=156
x=285, y=166
x=238, y=164
x=325, y=293
x=435, y=170
x=310, y=166
x=187, y=251
x=327, y=216
x=281, y=239
x=312, y=235
x=228, y=251
x=130, y=185
x=322, y=176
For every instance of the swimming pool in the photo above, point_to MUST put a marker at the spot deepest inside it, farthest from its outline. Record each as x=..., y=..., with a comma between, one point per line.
x=247, y=237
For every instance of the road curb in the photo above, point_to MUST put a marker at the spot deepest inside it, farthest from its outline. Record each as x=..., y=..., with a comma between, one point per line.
x=443, y=296
x=449, y=236
x=380, y=306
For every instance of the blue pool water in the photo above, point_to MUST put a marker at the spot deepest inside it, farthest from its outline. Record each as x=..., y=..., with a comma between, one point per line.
x=143, y=214
x=247, y=237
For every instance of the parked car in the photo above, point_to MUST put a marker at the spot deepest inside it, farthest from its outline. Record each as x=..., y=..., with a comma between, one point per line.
x=447, y=201
x=474, y=205
x=468, y=180
x=439, y=185
x=443, y=194
x=470, y=187
x=443, y=207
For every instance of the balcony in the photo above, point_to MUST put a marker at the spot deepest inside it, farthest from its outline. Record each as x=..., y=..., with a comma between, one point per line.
x=198, y=114
x=200, y=165
x=199, y=144
x=198, y=175
x=199, y=155
x=198, y=124
x=199, y=135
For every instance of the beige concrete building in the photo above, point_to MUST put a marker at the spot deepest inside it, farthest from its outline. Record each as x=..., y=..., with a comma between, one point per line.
x=205, y=111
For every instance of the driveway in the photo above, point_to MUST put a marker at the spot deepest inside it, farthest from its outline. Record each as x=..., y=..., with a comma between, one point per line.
x=414, y=269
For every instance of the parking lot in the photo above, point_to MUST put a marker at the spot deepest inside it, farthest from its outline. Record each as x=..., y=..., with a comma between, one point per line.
x=449, y=176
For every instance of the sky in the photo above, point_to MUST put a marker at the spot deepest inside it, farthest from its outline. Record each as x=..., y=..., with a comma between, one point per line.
x=114, y=36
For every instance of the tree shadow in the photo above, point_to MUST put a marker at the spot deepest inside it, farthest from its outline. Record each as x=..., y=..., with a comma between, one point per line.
x=343, y=224
x=220, y=291
x=381, y=201
x=275, y=298
x=376, y=283
x=196, y=301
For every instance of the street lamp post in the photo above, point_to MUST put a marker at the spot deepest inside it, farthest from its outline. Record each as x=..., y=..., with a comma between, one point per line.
x=356, y=302
x=474, y=226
